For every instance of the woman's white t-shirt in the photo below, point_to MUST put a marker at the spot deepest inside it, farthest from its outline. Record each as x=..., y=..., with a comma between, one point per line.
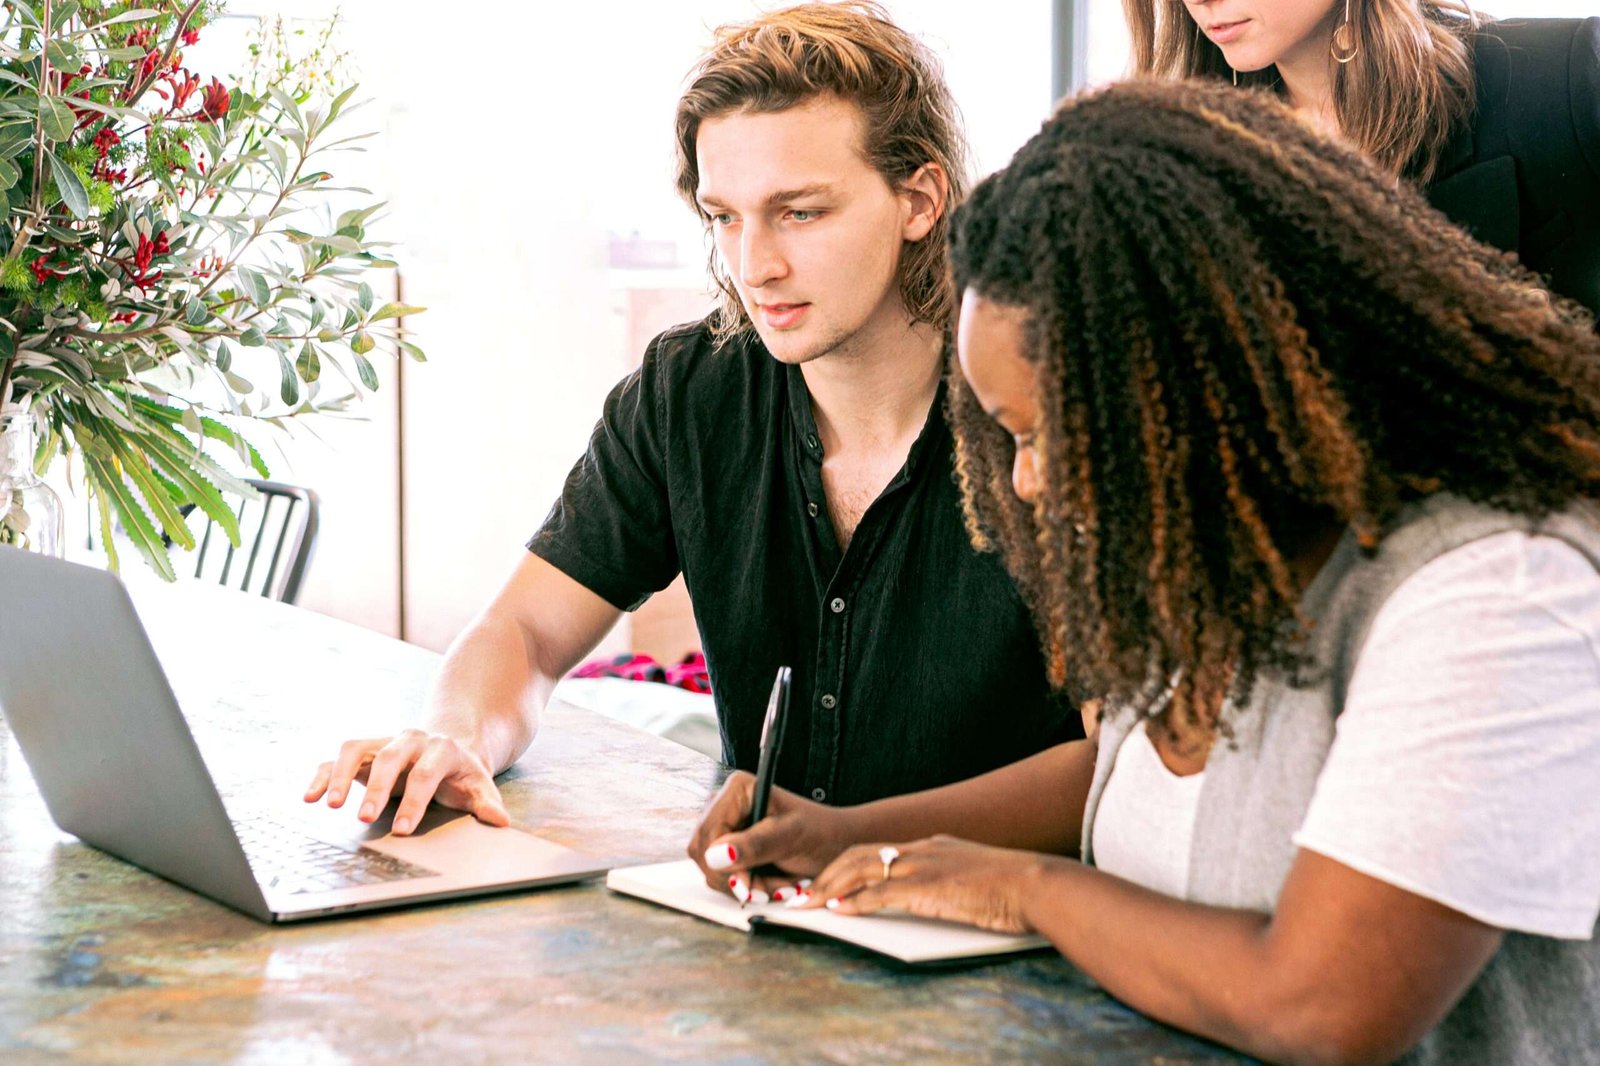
x=1465, y=766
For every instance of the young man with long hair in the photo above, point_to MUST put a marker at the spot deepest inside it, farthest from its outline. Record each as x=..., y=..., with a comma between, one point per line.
x=788, y=455
x=1300, y=482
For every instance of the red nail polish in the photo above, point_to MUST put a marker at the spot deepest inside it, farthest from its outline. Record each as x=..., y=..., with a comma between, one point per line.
x=733, y=853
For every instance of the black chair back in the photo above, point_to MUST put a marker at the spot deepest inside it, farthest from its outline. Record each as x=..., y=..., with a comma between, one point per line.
x=277, y=534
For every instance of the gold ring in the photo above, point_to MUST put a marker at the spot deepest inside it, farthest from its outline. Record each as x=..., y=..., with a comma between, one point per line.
x=888, y=853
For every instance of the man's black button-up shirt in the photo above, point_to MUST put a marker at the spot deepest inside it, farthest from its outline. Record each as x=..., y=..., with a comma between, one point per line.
x=914, y=661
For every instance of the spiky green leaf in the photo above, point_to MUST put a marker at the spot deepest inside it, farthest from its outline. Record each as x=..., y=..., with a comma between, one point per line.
x=136, y=523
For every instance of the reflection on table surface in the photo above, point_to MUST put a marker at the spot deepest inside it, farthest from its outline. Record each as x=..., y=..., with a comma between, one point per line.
x=101, y=962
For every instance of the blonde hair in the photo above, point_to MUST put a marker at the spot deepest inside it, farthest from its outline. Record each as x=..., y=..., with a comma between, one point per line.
x=852, y=51
x=1398, y=100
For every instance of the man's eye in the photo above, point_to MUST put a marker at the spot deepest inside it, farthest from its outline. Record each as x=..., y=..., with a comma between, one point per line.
x=802, y=215
x=722, y=218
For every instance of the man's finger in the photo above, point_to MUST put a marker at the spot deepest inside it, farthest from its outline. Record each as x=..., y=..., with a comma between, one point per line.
x=388, y=769
x=353, y=755
x=319, y=782
x=421, y=785
x=488, y=807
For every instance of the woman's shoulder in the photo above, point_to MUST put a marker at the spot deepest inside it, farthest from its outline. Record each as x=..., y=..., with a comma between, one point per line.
x=1534, y=63
x=1507, y=40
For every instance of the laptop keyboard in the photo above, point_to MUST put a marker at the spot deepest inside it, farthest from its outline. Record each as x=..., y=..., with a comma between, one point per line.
x=291, y=861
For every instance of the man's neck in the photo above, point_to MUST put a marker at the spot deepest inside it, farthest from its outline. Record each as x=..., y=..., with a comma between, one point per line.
x=876, y=393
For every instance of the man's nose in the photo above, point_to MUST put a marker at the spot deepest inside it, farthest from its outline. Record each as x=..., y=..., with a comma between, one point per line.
x=760, y=257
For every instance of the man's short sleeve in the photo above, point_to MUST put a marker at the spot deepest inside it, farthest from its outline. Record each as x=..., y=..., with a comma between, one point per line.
x=611, y=530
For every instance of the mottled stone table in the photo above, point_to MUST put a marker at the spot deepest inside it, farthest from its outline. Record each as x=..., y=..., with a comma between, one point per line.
x=101, y=962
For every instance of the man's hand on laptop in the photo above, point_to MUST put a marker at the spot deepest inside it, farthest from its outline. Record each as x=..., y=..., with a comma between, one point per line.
x=419, y=767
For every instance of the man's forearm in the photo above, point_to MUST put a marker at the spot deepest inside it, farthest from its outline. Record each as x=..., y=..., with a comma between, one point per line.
x=490, y=692
x=1036, y=805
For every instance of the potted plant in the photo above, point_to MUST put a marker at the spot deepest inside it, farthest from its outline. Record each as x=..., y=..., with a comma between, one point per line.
x=164, y=234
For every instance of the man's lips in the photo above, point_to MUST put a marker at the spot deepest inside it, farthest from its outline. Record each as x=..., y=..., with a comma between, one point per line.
x=782, y=316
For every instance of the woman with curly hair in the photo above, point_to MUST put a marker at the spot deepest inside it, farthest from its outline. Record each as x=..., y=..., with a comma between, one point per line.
x=1498, y=121
x=1297, y=480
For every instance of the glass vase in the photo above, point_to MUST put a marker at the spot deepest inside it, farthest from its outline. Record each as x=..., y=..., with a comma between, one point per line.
x=30, y=510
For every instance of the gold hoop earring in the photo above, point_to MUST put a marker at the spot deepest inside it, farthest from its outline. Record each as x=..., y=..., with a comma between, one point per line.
x=1345, y=47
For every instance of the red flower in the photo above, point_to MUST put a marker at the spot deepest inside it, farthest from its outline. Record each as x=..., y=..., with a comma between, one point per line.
x=214, y=105
x=183, y=88
x=190, y=36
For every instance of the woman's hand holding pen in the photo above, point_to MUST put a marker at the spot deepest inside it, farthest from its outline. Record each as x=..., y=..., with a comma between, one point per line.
x=940, y=877
x=797, y=837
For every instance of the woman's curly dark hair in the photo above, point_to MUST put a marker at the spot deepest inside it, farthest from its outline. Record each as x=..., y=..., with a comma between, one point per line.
x=1242, y=331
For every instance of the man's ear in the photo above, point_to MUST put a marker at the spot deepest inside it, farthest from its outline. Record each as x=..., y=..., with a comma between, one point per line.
x=925, y=195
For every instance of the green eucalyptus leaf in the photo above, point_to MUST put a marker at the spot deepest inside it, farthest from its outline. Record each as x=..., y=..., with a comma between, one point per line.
x=255, y=286
x=9, y=174
x=309, y=365
x=195, y=313
x=13, y=140
x=413, y=351
x=73, y=194
x=63, y=56
x=289, y=385
x=369, y=376
x=238, y=384
x=362, y=343
x=364, y=297
x=394, y=310
x=56, y=118
x=328, y=336
x=224, y=357
x=252, y=338
x=136, y=15
x=61, y=15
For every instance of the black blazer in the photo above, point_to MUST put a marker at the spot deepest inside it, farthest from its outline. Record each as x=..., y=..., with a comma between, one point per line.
x=1524, y=173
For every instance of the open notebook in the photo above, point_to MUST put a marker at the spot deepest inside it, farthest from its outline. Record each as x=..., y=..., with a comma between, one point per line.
x=914, y=941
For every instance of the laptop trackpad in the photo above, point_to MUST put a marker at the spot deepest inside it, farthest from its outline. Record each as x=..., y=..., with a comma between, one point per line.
x=458, y=845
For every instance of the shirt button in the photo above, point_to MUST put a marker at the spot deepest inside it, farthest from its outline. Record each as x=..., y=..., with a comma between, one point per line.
x=819, y=794
x=837, y=606
x=811, y=509
x=811, y=440
x=828, y=702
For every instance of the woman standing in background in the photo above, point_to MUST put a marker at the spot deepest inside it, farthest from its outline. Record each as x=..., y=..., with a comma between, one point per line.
x=1497, y=121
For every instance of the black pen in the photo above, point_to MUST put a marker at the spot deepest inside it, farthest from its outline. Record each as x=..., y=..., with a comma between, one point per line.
x=771, y=742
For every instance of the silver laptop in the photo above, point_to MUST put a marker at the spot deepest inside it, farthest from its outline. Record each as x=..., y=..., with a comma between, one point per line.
x=101, y=731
